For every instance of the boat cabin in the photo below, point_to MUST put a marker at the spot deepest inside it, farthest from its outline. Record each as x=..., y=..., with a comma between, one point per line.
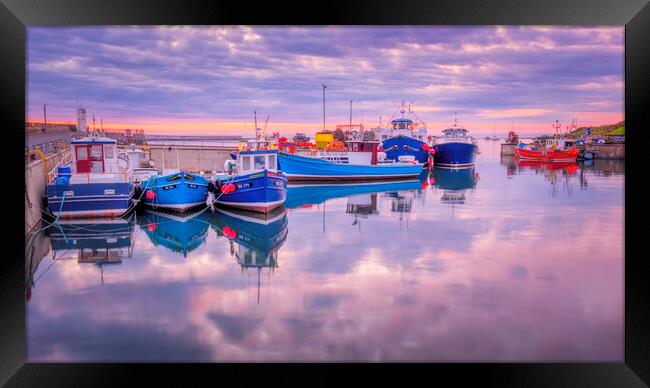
x=96, y=155
x=364, y=146
x=455, y=132
x=249, y=162
x=402, y=124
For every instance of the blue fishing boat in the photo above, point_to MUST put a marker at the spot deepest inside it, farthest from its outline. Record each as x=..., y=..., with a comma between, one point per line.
x=252, y=182
x=301, y=195
x=455, y=148
x=301, y=168
x=405, y=139
x=180, y=233
x=93, y=180
x=178, y=191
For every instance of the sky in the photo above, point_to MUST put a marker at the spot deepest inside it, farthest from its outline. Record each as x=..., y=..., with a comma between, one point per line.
x=210, y=79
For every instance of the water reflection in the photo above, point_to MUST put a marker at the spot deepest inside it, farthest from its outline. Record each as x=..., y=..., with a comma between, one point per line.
x=350, y=282
x=304, y=196
x=255, y=239
x=454, y=183
x=180, y=233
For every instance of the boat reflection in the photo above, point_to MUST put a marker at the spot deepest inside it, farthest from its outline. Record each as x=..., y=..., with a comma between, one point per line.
x=255, y=238
x=555, y=172
x=179, y=232
x=454, y=183
x=306, y=195
x=98, y=241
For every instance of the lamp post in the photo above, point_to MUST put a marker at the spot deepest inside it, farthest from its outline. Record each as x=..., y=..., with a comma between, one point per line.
x=324, y=86
x=45, y=117
x=351, y=115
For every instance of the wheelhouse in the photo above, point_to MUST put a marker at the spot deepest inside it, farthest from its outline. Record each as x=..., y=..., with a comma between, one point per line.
x=255, y=161
x=455, y=132
x=402, y=124
x=95, y=155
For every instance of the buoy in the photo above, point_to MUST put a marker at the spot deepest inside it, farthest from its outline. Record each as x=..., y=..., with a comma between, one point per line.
x=150, y=195
x=228, y=188
x=151, y=227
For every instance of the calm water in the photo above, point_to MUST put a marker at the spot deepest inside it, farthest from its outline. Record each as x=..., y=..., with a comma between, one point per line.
x=502, y=262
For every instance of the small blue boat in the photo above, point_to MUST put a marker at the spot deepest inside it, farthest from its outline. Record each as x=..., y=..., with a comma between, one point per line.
x=178, y=191
x=301, y=168
x=94, y=180
x=252, y=181
x=455, y=149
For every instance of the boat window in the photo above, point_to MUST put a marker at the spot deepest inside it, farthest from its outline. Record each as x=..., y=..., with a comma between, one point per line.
x=355, y=147
x=272, y=162
x=108, y=152
x=96, y=152
x=402, y=126
x=246, y=162
x=258, y=162
x=82, y=153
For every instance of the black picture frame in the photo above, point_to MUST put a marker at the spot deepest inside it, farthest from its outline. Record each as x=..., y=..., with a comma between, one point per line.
x=17, y=15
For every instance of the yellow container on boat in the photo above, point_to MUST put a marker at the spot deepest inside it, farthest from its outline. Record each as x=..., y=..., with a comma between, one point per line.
x=323, y=139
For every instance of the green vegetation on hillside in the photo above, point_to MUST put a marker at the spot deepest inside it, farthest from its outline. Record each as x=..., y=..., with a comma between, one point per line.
x=603, y=129
x=618, y=131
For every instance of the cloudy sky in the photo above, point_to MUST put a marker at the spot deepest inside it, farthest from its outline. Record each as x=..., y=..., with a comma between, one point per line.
x=196, y=80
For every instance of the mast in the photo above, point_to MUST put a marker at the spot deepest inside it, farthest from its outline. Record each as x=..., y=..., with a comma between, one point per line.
x=257, y=135
x=324, y=86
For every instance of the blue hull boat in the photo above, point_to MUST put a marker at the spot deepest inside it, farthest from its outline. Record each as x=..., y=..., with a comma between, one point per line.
x=89, y=199
x=262, y=191
x=95, y=182
x=397, y=146
x=301, y=195
x=179, y=191
x=301, y=168
x=455, y=154
x=252, y=181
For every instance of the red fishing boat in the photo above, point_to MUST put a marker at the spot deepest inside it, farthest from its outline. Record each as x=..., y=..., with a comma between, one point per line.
x=556, y=150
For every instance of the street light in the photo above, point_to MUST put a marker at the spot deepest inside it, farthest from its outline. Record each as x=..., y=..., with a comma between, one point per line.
x=324, y=86
x=351, y=114
x=45, y=117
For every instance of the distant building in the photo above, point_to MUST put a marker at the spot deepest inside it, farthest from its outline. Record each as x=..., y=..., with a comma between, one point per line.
x=81, y=120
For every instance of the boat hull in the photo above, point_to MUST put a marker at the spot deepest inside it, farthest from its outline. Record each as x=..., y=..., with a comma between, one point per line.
x=84, y=200
x=455, y=155
x=260, y=192
x=176, y=192
x=397, y=146
x=549, y=156
x=300, y=168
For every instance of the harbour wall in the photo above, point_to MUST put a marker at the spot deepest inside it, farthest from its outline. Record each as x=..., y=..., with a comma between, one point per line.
x=35, y=184
x=191, y=158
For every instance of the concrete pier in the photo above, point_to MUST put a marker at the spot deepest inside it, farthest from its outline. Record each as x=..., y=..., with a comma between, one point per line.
x=35, y=184
x=600, y=151
x=508, y=149
x=605, y=151
x=191, y=158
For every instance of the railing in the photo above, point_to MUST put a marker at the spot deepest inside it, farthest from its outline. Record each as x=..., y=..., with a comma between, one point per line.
x=66, y=159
